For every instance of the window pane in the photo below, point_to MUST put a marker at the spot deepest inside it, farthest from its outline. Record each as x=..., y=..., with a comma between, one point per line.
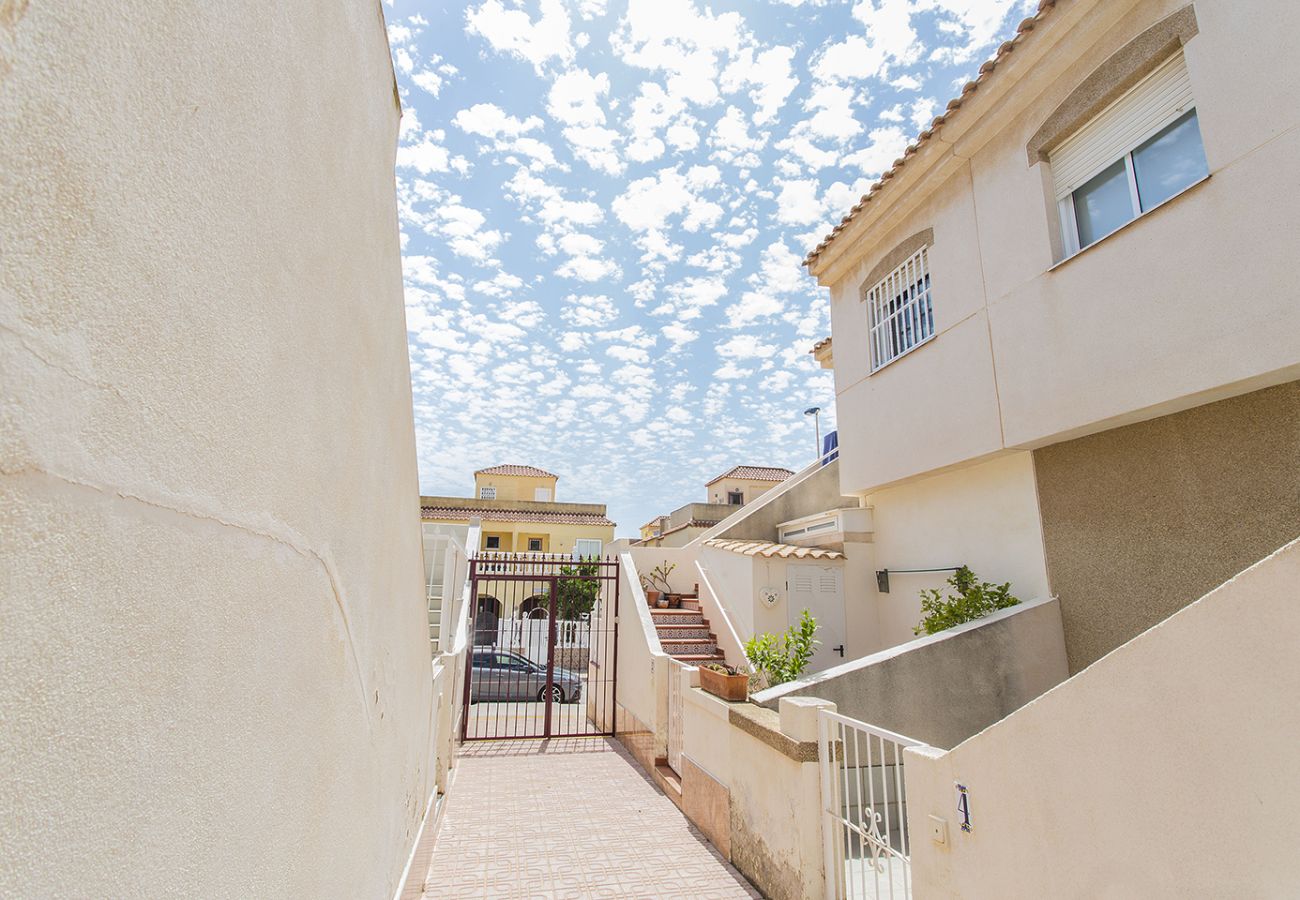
x=1103, y=204
x=1170, y=161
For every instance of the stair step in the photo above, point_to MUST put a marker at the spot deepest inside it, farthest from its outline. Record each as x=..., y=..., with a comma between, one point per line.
x=699, y=659
x=699, y=632
x=677, y=617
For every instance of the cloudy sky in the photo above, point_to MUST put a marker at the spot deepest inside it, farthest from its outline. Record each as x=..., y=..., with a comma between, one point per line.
x=604, y=206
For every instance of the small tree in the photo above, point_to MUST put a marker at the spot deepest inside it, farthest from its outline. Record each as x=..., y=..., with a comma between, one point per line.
x=782, y=659
x=576, y=590
x=973, y=600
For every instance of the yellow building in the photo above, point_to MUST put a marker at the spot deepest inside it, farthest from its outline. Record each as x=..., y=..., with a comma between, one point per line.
x=519, y=514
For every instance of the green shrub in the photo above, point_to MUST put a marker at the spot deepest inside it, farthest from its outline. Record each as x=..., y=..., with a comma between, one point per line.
x=973, y=600
x=782, y=659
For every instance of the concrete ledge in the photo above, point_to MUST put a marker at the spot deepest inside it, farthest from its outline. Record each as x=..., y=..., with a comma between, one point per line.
x=765, y=725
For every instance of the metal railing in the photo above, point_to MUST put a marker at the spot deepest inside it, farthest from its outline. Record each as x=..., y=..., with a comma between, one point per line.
x=864, y=809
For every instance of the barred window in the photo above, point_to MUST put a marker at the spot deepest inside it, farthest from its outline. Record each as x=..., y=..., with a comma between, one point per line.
x=901, y=314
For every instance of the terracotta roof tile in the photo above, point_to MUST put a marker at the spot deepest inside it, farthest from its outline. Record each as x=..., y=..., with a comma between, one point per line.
x=465, y=513
x=755, y=473
x=769, y=549
x=985, y=72
x=529, y=471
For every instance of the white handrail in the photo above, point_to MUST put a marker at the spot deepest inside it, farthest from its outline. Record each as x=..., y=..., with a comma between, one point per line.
x=466, y=611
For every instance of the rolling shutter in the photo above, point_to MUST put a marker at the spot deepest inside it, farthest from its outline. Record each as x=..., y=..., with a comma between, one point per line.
x=1149, y=105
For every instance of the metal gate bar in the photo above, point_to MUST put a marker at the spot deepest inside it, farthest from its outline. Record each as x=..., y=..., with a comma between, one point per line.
x=542, y=662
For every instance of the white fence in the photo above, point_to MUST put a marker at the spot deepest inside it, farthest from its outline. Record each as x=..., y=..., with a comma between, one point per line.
x=864, y=809
x=676, y=713
x=530, y=637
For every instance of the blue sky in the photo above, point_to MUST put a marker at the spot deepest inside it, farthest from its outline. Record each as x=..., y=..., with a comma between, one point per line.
x=604, y=207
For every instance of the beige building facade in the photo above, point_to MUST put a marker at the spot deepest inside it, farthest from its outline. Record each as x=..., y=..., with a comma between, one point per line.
x=725, y=494
x=1035, y=306
x=214, y=667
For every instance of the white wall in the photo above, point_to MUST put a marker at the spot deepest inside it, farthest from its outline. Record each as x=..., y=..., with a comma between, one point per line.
x=214, y=660
x=984, y=516
x=1193, y=302
x=1168, y=768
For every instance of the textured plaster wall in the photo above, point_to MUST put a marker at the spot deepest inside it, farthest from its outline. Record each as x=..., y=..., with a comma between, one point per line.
x=1166, y=769
x=943, y=688
x=214, y=661
x=1141, y=520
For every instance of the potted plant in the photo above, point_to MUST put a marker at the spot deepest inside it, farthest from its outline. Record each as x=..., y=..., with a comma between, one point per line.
x=725, y=681
x=656, y=586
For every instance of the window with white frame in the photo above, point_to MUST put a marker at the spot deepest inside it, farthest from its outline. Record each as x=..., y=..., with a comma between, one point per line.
x=542, y=494
x=900, y=311
x=1137, y=153
x=487, y=493
x=586, y=549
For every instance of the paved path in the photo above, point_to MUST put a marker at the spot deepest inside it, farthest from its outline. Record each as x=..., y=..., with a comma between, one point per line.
x=563, y=818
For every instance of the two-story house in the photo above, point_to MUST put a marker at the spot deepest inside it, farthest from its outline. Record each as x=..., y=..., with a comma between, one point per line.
x=725, y=493
x=1067, y=324
x=519, y=514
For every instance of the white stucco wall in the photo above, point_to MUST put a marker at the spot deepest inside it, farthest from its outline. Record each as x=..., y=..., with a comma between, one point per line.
x=214, y=659
x=1166, y=769
x=1027, y=352
x=984, y=516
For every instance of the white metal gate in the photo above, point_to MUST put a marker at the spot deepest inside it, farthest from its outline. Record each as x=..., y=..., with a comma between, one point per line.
x=676, y=736
x=864, y=809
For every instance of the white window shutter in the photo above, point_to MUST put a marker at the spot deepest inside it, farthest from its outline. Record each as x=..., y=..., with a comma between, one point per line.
x=1148, y=106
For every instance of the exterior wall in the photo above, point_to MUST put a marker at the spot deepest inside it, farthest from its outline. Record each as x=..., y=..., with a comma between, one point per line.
x=817, y=493
x=984, y=516
x=943, y=688
x=214, y=656
x=515, y=487
x=748, y=487
x=1197, y=806
x=1137, y=326
x=557, y=537
x=1138, y=521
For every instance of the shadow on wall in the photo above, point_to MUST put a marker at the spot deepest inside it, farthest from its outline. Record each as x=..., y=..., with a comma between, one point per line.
x=943, y=688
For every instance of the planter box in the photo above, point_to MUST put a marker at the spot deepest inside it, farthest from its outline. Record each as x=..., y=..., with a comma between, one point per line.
x=734, y=688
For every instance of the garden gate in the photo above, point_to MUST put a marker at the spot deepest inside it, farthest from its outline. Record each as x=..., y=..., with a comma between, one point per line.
x=544, y=651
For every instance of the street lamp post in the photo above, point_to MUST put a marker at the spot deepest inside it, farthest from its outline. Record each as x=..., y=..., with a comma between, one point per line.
x=815, y=412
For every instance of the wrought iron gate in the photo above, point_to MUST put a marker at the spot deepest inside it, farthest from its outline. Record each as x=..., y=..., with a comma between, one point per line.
x=544, y=651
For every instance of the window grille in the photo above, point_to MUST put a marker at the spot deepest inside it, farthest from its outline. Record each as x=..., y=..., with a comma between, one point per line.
x=487, y=493
x=902, y=316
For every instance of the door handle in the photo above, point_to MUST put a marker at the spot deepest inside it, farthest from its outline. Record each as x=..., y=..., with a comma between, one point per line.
x=839, y=650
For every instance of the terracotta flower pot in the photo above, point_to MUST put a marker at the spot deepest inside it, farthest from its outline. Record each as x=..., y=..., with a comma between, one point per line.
x=652, y=597
x=734, y=688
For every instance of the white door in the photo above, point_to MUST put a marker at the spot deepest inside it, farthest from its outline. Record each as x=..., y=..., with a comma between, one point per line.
x=820, y=590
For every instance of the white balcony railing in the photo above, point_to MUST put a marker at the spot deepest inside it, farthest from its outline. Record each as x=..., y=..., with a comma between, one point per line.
x=864, y=809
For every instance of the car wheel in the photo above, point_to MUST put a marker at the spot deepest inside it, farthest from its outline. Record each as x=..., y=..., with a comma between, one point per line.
x=557, y=694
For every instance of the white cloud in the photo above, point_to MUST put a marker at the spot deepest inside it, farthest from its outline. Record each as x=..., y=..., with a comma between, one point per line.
x=887, y=144
x=490, y=120
x=797, y=203
x=733, y=142
x=745, y=346
x=574, y=98
x=648, y=203
x=514, y=32
x=583, y=311
x=769, y=73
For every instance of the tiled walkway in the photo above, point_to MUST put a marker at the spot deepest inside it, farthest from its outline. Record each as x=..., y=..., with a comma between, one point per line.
x=568, y=818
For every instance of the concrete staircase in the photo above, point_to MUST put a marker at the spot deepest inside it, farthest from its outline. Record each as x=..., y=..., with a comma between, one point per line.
x=684, y=634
